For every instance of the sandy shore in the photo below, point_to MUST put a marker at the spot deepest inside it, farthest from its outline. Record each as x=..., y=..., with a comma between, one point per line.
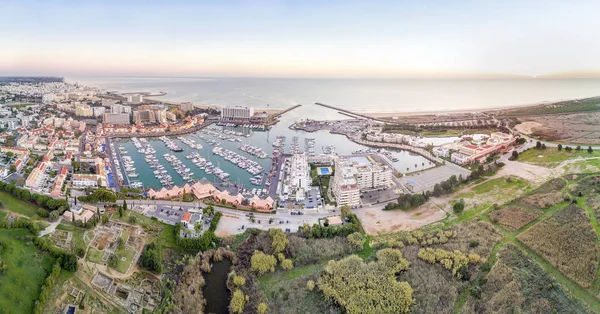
x=456, y=111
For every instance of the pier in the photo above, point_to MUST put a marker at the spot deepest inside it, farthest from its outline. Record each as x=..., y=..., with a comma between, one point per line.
x=286, y=110
x=347, y=112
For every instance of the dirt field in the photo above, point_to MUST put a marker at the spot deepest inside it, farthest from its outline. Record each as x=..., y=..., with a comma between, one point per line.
x=573, y=128
x=376, y=221
x=527, y=127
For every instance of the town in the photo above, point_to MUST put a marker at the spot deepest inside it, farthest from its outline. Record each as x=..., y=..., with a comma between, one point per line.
x=115, y=174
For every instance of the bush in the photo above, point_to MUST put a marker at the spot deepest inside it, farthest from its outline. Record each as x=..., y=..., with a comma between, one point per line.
x=473, y=243
x=310, y=285
x=151, y=257
x=262, y=263
x=458, y=207
x=287, y=264
x=132, y=219
x=356, y=240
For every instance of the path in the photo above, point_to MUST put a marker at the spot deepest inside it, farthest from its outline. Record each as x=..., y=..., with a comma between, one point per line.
x=51, y=227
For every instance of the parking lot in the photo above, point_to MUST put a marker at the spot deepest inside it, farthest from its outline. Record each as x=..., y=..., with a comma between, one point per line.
x=169, y=214
x=427, y=179
x=378, y=196
x=312, y=200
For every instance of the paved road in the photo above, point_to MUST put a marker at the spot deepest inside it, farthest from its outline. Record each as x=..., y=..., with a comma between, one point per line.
x=51, y=227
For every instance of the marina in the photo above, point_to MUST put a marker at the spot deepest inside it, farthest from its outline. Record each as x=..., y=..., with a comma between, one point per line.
x=234, y=156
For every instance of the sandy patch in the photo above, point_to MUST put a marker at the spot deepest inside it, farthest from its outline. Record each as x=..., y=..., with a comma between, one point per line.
x=376, y=220
x=527, y=127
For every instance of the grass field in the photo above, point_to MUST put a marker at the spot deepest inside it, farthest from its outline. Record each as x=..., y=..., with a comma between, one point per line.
x=552, y=155
x=95, y=256
x=123, y=265
x=26, y=272
x=18, y=206
x=3, y=214
x=77, y=233
x=517, y=284
x=568, y=241
x=287, y=292
x=500, y=184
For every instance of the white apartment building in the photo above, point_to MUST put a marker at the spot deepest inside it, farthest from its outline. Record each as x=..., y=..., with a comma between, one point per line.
x=10, y=123
x=135, y=99
x=118, y=108
x=98, y=111
x=345, y=186
x=442, y=152
x=83, y=110
x=84, y=180
x=116, y=118
x=375, y=176
x=236, y=113
x=299, y=176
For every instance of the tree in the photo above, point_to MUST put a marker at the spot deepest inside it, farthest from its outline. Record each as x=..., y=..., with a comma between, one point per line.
x=12, y=168
x=239, y=280
x=238, y=302
x=53, y=216
x=515, y=155
x=280, y=240
x=208, y=210
x=112, y=261
x=559, y=147
x=120, y=210
x=151, y=257
x=367, y=288
x=287, y=264
x=262, y=308
x=590, y=150
x=356, y=241
x=132, y=219
x=262, y=263
x=459, y=206
x=124, y=205
x=578, y=148
x=120, y=243
x=345, y=211
x=310, y=285
x=538, y=145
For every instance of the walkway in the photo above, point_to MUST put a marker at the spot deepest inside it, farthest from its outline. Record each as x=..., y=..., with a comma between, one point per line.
x=51, y=227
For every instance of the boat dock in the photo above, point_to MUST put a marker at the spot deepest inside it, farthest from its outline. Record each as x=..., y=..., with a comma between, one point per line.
x=286, y=110
x=347, y=112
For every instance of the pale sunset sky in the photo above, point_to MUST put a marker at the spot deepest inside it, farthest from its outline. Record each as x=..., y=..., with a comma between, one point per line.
x=300, y=38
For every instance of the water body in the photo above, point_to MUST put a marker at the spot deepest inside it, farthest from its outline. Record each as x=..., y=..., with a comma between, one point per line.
x=264, y=140
x=355, y=94
x=215, y=290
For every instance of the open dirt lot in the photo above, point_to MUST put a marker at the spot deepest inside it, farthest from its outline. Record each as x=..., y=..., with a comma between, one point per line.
x=375, y=220
x=527, y=127
x=573, y=128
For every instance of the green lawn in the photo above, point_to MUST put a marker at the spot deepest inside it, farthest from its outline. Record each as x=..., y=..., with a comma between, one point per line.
x=95, y=256
x=3, y=214
x=18, y=206
x=77, y=235
x=167, y=236
x=367, y=250
x=553, y=155
x=27, y=270
x=499, y=183
x=123, y=265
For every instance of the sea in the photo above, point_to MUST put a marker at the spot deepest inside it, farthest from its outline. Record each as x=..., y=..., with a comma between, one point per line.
x=370, y=96
x=360, y=95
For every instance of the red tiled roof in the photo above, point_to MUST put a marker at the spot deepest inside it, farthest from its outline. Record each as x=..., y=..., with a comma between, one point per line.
x=186, y=217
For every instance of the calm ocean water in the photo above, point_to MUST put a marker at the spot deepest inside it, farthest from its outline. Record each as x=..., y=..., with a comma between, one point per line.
x=356, y=95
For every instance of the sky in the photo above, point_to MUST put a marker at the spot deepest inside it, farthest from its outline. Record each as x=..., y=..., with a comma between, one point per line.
x=307, y=38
